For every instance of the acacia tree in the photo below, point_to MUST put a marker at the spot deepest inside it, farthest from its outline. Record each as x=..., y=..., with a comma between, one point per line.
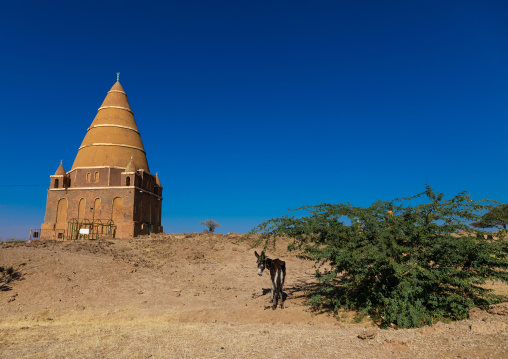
x=210, y=224
x=497, y=217
x=402, y=264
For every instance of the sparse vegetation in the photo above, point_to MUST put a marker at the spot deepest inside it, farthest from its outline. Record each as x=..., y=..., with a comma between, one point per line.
x=196, y=295
x=14, y=240
x=7, y=275
x=210, y=224
x=406, y=265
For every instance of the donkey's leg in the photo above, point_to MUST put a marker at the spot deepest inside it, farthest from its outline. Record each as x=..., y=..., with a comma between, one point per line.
x=275, y=298
x=275, y=288
x=283, y=275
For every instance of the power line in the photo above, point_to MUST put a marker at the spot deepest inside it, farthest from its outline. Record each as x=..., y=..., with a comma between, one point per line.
x=22, y=185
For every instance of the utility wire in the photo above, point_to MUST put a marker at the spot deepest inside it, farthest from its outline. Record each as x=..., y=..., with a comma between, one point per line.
x=22, y=185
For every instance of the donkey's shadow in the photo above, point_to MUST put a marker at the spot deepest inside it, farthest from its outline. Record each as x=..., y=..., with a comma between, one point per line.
x=268, y=291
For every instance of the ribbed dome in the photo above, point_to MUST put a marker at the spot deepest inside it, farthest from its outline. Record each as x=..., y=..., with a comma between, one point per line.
x=113, y=138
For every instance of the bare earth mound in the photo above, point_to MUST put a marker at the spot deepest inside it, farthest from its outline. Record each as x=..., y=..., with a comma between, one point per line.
x=196, y=296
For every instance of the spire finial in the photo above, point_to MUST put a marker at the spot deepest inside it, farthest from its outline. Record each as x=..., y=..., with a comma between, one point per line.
x=61, y=161
x=117, y=77
x=156, y=173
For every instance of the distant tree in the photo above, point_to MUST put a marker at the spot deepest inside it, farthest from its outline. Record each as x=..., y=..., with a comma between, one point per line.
x=402, y=264
x=497, y=217
x=210, y=224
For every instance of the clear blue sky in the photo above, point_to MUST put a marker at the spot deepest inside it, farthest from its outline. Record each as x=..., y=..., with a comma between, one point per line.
x=248, y=108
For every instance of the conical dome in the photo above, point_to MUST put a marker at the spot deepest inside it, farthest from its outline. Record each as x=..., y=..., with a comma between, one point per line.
x=131, y=167
x=60, y=171
x=113, y=138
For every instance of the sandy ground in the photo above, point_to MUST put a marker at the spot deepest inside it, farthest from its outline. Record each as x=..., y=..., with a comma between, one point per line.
x=197, y=296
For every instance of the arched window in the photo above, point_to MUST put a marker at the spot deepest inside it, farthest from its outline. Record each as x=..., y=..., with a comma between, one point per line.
x=88, y=175
x=96, y=177
x=56, y=183
x=128, y=181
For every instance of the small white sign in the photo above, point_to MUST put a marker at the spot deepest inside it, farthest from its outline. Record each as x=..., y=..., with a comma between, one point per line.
x=84, y=231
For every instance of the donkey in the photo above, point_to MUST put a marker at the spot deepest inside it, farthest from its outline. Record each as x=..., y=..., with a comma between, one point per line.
x=277, y=270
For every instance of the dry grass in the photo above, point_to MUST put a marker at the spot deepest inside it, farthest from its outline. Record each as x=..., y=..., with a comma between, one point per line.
x=146, y=337
x=153, y=338
x=175, y=297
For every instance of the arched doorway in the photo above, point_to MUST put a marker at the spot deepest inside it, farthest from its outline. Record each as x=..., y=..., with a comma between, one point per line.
x=61, y=211
x=97, y=209
x=81, y=209
x=117, y=212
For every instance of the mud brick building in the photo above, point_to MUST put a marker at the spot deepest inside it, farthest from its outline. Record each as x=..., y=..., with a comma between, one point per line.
x=109, y=182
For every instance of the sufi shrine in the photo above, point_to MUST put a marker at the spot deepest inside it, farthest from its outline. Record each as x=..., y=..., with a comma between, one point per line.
x=110, y=187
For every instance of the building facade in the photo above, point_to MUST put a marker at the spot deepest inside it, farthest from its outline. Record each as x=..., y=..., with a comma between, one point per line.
x=110, y=181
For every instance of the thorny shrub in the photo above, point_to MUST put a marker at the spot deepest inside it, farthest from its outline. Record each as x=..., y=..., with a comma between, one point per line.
x=405, y=265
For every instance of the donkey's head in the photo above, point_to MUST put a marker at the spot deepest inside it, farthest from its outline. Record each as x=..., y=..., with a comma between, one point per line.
x=262, y=262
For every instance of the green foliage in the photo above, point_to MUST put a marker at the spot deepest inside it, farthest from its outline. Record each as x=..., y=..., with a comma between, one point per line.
x=14, y=240
x=406, y=265
x=497, y=217
x=210, y=224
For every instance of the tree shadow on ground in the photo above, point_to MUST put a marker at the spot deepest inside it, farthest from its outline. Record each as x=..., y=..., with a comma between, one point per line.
x=7, y=276
x=303, y=289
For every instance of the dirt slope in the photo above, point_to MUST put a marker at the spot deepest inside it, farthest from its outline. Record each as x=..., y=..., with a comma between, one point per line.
x=194, y=296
